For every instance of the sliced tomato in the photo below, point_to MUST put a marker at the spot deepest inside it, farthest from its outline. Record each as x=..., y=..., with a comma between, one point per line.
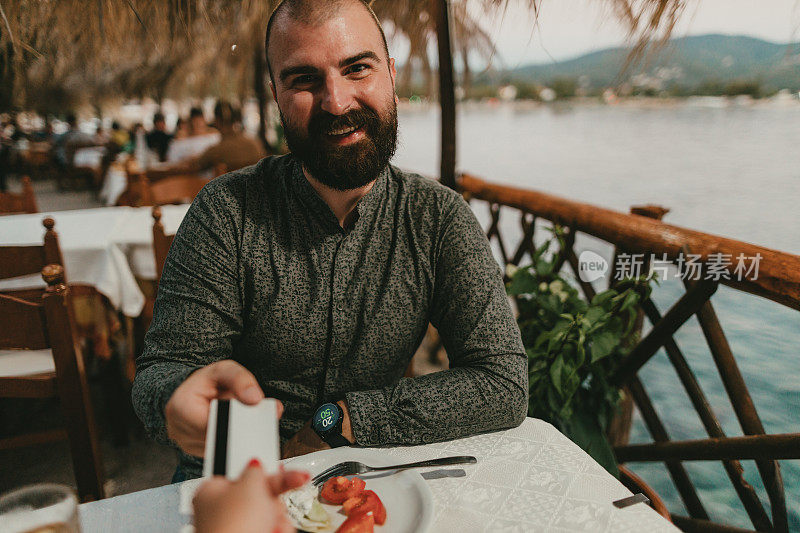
x=360, y=523
x=338, y=489
x=356, y=487
x=366, y=502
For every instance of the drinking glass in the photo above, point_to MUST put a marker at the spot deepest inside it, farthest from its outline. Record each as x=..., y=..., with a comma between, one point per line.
x=41, y=508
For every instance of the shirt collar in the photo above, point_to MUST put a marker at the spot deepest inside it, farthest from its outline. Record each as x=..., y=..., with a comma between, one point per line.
x=367, y=205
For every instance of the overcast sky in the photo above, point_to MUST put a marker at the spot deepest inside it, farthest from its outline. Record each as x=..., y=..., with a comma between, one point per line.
x=569, y=28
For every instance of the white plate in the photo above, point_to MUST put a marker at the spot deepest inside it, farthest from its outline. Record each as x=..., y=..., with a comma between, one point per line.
x=406, y=496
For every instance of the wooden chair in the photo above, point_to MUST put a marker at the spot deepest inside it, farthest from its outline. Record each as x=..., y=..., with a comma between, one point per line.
x=79, y=177
x=162, y=187
x=37, y=161
x=39, y=358
x=161, y=244
x=24, y=202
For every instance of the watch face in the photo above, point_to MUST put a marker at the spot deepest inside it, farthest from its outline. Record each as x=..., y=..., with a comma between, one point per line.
x=326, y=418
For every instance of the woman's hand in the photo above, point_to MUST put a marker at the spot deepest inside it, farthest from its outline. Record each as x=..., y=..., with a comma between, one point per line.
x=247, y=505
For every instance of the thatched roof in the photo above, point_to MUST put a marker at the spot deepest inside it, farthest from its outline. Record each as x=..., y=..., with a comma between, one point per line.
x=55, y=54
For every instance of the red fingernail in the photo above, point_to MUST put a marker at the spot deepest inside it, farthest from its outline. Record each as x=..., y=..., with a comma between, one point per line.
x=253, y=462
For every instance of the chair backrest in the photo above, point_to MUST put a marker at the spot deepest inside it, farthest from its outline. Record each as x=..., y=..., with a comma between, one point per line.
x=163, y=186
x=50, y=324
x=161, y=242
x=176, y=189
x=24, y=260
x=24, y=202
x=157, y=174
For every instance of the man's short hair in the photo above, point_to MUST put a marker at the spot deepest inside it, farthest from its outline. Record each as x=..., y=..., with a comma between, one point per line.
x=196, y=112
x=315, y=12
x=158, y=117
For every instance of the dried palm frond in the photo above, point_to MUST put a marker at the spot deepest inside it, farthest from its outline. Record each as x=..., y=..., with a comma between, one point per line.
x=56, y=54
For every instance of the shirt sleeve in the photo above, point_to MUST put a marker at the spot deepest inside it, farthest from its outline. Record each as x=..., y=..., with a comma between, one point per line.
x=486, y=387
x=197, y=315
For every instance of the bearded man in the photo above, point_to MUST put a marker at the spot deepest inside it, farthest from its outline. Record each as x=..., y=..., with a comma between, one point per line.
x=312, y=277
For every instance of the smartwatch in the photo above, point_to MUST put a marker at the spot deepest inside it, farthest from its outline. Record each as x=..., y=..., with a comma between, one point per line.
x=327, y=423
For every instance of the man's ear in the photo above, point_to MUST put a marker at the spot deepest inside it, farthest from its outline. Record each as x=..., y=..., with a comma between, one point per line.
x=393, y=75
x=272, y=88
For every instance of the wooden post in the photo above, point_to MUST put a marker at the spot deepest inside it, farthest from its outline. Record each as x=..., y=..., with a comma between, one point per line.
x=619, y=430
x=447, y=95
x=259, y=73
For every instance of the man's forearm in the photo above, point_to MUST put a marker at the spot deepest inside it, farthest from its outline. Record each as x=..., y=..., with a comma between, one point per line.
x=152, y=389
x=462, y=401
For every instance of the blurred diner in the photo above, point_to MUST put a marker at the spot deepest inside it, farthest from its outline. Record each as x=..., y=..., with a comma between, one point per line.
x=200, y=136
x=158, y=139
x=68, y=142
x=234, y=150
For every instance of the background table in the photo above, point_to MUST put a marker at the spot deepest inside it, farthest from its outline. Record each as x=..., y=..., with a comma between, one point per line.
x=106, y=248
x=530, y=478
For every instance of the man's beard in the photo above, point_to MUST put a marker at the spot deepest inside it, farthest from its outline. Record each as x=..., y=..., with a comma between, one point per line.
x=350, y=166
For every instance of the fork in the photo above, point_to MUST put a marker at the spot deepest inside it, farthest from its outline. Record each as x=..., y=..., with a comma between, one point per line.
x=349, y=468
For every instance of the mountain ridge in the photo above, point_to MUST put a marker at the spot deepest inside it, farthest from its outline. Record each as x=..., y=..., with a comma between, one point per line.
x=682, y=62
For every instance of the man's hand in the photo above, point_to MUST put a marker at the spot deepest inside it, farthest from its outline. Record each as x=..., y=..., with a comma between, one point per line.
x=186, y=412
x=307, y=441
x=248, y=505
x=304, y=441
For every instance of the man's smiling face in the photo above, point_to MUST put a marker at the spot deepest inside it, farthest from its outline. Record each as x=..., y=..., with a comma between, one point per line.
x=334, y=86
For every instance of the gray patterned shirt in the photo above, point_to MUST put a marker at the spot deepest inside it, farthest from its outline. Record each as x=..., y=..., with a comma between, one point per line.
x=261, y=272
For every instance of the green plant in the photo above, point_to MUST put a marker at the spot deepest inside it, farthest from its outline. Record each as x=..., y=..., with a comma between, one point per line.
x=574, y=347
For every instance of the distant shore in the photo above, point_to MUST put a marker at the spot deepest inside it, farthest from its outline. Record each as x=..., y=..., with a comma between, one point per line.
x=645, y=102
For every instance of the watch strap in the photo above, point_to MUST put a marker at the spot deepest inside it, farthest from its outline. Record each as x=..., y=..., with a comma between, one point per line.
x=336, y=440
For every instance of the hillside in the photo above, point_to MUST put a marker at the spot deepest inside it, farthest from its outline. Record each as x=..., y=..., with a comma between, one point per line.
x=686, y=62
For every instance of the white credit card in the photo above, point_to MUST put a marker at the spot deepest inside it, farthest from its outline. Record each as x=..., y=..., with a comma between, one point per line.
x=238, y=433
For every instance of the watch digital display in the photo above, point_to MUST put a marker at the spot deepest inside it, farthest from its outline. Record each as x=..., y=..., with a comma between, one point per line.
x=326, y=418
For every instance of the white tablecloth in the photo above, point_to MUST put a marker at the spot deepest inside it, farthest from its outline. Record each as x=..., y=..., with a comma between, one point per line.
x=530, y=478
x=114, y=184
x=90, y=157
x=105, y=247
x=180, y=149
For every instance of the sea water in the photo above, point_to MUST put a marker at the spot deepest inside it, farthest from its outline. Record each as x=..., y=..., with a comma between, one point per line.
x=730, y=170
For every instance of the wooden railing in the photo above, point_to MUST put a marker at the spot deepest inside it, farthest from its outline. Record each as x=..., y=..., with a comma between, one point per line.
x=778, y=279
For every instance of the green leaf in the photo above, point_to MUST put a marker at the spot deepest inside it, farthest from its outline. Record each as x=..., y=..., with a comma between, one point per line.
x=584, y=431
x=580, y=353
x=544, y=267
x=541, y=250
x=535, y=367
x=631, y=299
x=603, y=345
x=553, y=401
x=555, y=372
x=603, y=297
x=523, y=282
x=594, y=314
x=541, y=339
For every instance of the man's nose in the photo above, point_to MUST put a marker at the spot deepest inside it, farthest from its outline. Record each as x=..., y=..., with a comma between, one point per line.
x=337, y=97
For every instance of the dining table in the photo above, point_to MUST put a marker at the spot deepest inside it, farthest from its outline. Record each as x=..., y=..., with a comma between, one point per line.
x=107, y=248
x=528, y=478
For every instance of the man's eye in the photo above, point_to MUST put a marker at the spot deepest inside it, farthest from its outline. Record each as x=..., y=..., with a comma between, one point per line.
x=359, y=68
x=303, y=80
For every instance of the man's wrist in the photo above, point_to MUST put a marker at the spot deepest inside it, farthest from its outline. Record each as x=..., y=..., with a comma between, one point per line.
x=347, y=428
